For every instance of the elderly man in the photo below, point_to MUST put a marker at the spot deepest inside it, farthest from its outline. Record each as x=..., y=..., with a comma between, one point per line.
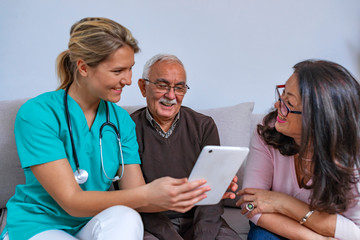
x=170, y=138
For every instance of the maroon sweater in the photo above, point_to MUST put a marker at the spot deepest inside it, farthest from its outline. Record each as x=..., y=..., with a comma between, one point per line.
x=175, y=156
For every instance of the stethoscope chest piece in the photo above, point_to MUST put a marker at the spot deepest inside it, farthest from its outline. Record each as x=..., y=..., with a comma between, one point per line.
x=81, y=176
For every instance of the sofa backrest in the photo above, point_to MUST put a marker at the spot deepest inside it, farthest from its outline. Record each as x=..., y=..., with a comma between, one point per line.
x=11, y=173
x=235, y=125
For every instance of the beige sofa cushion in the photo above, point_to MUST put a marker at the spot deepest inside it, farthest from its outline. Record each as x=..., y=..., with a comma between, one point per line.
x=11, y=171
x=233, y=123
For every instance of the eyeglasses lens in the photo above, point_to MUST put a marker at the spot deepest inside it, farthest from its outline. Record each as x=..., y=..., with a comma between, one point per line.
x=164, y=88
x=283, y=108
x=180, y=90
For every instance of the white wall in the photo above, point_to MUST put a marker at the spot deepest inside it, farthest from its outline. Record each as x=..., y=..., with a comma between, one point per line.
x=234, y=50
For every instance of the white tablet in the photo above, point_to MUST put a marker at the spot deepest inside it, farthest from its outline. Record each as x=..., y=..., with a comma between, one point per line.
x=217, y=165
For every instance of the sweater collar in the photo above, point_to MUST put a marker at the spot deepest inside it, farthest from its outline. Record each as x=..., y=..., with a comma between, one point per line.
x=157, y=127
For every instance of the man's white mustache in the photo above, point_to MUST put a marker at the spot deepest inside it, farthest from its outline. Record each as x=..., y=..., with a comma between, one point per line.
x=167, y=101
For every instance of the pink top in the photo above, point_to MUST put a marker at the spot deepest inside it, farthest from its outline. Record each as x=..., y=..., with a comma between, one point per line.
x=267, y=168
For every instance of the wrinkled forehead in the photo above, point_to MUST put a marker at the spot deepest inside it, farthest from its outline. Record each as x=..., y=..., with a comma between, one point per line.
x=170, y=71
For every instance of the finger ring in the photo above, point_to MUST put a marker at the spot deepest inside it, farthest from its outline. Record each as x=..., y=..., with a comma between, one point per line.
x=249, y=207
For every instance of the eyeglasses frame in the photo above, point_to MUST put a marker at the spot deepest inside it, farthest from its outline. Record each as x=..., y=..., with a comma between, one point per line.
x=169, y=87
x=282, y=102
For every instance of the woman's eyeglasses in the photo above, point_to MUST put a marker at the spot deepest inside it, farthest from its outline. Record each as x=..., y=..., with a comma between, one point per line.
x=284, y=109
x=162, y=87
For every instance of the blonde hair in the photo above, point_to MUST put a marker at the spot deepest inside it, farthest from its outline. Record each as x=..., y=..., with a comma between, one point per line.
x=92, y=40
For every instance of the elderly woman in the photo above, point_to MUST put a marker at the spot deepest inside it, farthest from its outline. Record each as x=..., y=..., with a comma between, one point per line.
x=302, y=175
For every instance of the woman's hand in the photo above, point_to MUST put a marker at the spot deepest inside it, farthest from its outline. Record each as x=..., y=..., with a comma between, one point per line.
x=264, y=201
x=176, y=194
x=232, y=187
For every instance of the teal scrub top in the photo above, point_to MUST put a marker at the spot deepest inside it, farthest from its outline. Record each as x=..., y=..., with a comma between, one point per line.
x=42, y=135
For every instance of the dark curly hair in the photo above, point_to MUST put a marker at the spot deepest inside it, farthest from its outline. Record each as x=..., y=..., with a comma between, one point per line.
x=330, y=125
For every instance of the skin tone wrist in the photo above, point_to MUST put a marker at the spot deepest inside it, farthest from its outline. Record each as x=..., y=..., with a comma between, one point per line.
x=291, y=229
x=270, y=202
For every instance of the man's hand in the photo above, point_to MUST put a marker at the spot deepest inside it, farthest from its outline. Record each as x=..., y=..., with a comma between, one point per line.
x=232, y=187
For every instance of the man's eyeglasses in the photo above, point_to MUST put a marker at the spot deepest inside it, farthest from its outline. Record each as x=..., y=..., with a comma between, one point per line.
x=284, y=109
x=162, y=87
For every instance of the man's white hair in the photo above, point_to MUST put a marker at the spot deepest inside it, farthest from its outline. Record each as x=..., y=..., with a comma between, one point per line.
x=159, y=58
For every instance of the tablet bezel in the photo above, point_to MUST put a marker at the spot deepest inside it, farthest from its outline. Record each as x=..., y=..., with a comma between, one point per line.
x=217, y=165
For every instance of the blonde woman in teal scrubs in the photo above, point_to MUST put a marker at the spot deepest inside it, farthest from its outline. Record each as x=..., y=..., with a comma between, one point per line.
x=53, y=204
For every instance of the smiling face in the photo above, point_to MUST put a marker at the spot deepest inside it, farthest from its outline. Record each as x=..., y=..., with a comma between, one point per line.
x=163, y=106
x=107, y=79
x=291, y=124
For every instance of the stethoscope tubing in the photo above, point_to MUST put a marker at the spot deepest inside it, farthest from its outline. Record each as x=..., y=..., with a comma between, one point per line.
x=80, y=174
x=70, y=130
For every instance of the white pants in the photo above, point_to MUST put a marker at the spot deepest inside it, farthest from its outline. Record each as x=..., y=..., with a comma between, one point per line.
x=118, y=222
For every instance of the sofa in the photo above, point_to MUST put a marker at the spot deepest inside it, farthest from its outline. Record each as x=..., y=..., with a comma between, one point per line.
x=235, y=124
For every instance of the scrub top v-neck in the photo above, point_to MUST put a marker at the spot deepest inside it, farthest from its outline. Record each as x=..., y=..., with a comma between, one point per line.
x=42, y=136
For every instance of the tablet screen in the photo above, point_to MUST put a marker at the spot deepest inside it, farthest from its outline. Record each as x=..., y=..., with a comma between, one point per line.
x=217, y=165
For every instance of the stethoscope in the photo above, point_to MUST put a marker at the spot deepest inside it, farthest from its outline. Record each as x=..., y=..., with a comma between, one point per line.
x=81, y=175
